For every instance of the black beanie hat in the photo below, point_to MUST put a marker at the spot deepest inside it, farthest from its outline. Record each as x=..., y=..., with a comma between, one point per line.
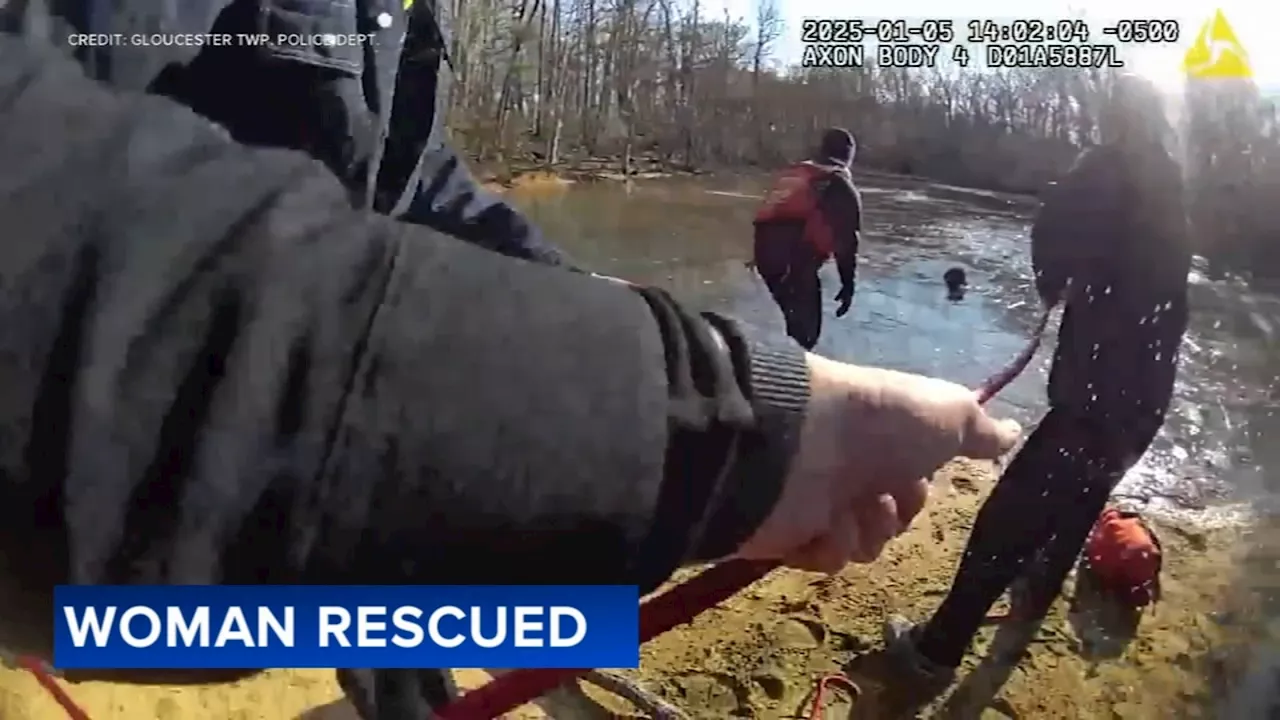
x=838, y=146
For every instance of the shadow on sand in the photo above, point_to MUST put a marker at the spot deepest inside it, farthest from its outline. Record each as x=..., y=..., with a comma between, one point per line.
x=1104, y=628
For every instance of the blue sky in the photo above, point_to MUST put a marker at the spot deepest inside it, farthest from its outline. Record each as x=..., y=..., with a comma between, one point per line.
x=1256, y=22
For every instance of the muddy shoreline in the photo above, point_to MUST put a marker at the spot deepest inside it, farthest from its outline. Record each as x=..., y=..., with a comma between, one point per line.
x=759, y=654
x=531, y=178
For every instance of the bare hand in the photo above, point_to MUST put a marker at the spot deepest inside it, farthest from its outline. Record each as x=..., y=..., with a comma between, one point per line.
x=870, y=439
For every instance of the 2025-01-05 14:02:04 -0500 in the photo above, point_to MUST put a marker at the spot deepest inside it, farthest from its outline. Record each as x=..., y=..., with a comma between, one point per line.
x=941, y=30
x=838, y=42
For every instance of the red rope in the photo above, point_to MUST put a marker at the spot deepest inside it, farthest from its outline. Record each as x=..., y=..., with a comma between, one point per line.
x=673, y=608
x=819, y=692
x=50, y=684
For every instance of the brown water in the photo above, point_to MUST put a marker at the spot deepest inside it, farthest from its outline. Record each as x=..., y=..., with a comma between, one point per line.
x=1217, y=454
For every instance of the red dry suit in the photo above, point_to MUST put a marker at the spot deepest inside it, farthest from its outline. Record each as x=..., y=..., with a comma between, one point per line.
x=795, y=197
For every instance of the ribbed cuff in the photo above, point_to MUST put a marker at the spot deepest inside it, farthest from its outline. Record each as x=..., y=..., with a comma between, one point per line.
x=778, y=388
x=779, y=381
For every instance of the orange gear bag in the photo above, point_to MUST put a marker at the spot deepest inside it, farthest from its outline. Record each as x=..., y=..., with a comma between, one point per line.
x=1125, y=556
x=794, y=198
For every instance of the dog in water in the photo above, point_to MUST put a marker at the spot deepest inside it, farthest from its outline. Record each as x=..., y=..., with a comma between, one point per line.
x=957, y=280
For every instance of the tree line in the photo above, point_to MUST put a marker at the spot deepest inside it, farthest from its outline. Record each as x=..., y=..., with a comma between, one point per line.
x=670, y=81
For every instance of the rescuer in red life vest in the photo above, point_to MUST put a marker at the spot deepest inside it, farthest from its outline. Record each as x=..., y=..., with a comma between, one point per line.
x=812, y=212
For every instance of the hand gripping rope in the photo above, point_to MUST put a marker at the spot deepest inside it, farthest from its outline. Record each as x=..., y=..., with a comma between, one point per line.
x=677, y=606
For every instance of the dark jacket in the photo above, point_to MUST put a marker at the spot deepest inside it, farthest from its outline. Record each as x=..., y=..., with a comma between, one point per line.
x=1112, y=240
x=373, y=113
x=841, y=204
x=213, y=370
x=839, y=201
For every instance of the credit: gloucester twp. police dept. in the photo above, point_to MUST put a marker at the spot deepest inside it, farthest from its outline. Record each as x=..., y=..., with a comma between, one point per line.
x=217, y=39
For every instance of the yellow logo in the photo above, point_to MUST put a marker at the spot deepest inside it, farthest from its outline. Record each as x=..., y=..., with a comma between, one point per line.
x=1217, y=54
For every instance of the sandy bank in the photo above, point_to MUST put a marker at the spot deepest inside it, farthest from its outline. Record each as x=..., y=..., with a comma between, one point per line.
x=759, y=654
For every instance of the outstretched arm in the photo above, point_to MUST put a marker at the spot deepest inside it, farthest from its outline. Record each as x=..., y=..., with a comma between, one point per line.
x=422, y=180
x=446, y=197
x=841, y=204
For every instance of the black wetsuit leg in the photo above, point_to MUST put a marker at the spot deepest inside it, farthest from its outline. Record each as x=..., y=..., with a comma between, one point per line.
x=804, y=315
x=789, y=269
x=1110, y=386
x=1046, y=501
x=772, y=261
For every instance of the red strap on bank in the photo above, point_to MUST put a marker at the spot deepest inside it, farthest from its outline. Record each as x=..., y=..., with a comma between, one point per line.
x=45, y=675
x=659, y=614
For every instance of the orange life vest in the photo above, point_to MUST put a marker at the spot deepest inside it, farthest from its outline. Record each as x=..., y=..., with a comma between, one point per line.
x=1125, y=556
x=794, y=198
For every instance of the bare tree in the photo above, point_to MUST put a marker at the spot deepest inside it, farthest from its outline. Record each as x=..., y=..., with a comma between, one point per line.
x=769, y=27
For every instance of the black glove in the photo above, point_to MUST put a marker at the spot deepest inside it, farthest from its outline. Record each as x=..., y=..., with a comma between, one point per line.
x=845, y=298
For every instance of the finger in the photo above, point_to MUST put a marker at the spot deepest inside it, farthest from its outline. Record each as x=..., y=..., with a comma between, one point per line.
x=877, y=523
x=827, y=553
x=910, y=500
x=986, y=438
x=858, y=536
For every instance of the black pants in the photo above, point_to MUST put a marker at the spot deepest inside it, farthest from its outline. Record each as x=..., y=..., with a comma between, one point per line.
x=1040, y=511
x=396, y=694
x=789, y=267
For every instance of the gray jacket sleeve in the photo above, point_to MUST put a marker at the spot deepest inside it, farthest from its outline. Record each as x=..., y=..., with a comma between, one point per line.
x=214, y=371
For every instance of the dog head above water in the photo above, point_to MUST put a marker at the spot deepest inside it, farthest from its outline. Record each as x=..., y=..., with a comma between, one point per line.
x=957, y=280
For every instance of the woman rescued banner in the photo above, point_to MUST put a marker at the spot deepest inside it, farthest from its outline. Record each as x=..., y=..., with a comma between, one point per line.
x=312, y=626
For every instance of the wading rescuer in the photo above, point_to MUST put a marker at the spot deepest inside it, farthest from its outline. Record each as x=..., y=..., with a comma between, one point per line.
x=1111, y=242
x=215, y=370
x=812, y=212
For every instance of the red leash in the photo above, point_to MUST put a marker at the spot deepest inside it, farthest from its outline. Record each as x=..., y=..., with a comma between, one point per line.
x=45, y=676
x=820, y=691
x=678, y=605
x=659, y=614
x=50, y=684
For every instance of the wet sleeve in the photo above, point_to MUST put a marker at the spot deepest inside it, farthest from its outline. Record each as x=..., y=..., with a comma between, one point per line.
x=220, y=373
x=439, y=191
x=842, y=205
x=1076, y=224
x=446, y=197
